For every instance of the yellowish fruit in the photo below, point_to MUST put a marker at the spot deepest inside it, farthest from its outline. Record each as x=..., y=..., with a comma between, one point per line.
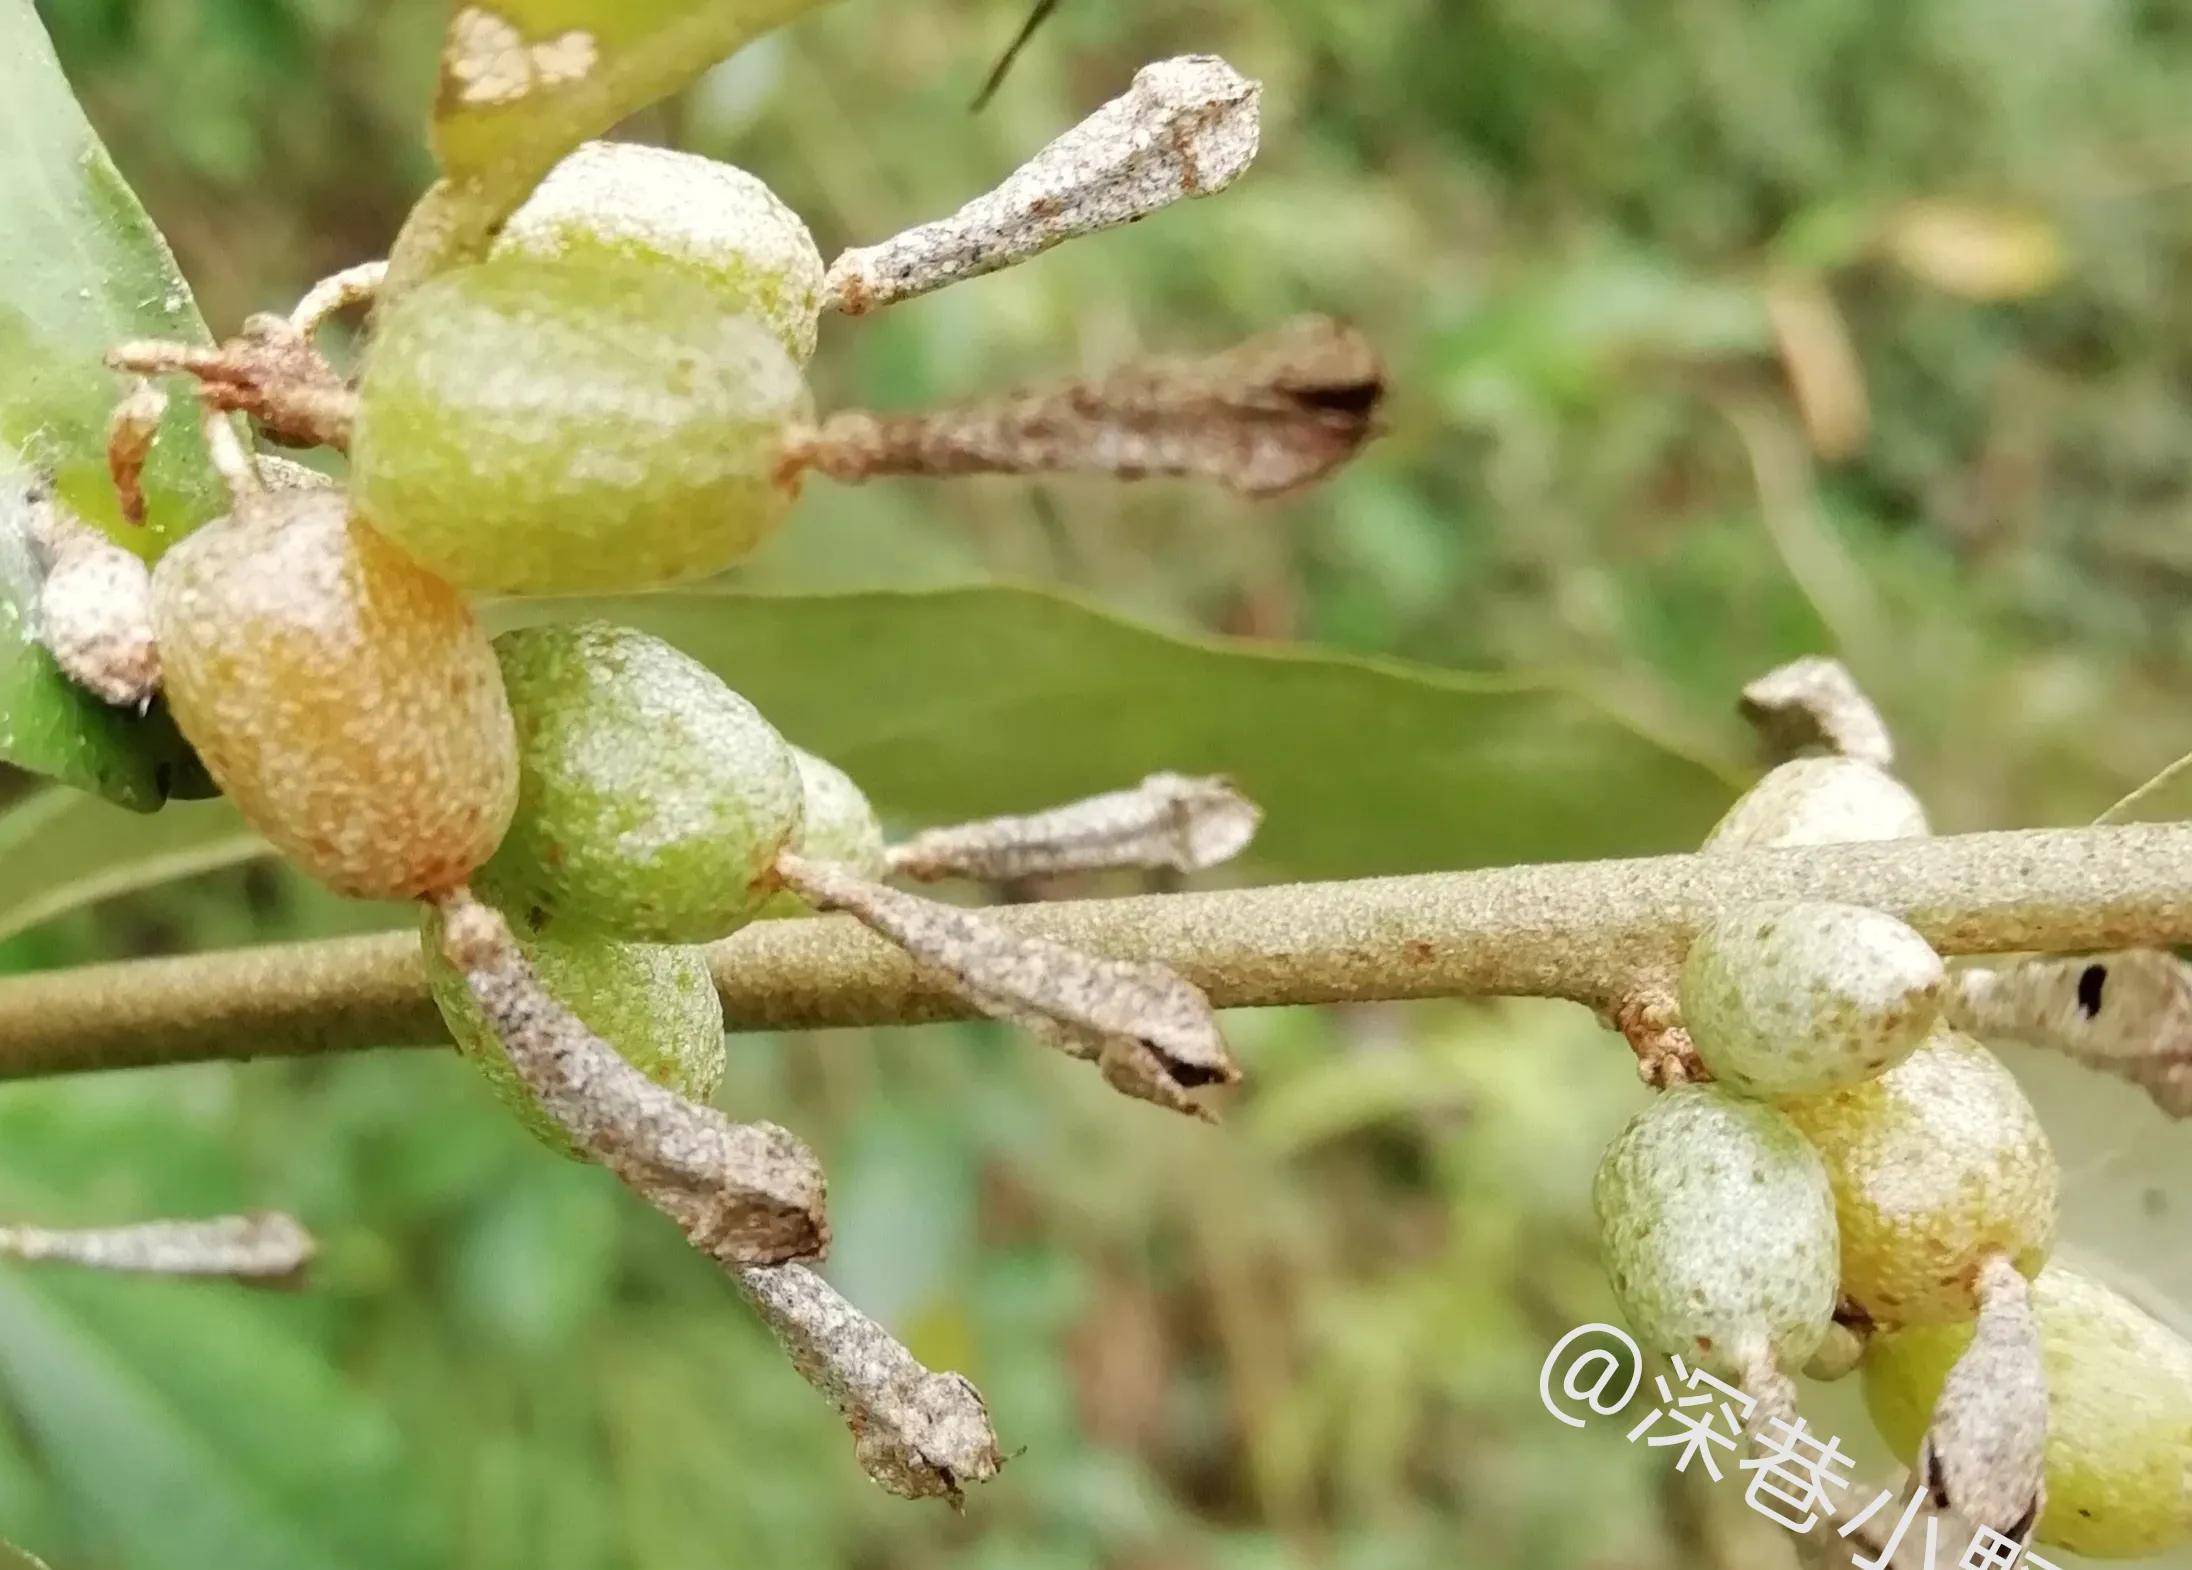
x=1936, y=1164
x=2119, y=1407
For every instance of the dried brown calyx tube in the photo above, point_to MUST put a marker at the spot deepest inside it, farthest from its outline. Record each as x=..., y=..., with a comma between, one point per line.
x=1269, y=416
x=262, y=1246
x=1984, y=1450
x=1169, y=821
x=2127, y=1014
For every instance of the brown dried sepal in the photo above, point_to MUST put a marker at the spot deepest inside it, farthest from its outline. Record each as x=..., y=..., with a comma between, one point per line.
x=1814, y=705
x=269, y=371
x=1269, y=416
x=1649, y=1018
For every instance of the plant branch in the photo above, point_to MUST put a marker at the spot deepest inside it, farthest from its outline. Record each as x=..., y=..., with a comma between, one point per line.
x=1577, y=930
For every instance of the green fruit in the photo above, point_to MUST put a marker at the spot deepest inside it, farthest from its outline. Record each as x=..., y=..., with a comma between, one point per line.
x=1792, y=1000
x=1820, y=801
x=653, y=205
x=346, y=701
x=1936, y=1164
x=653, y=1003
x=1718, y=1230
x=652, y=799
x=546, y=426
x=837, y=824
x=2119, y=1414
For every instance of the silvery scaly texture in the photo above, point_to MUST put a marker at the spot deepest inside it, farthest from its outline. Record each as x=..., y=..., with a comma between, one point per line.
x=94, y=606
x=1820, y=801
x=1187, y=127
x=261, y=1246
x=2128, y=1014
x=1815, y=705
x=1796, y=999
x=743, y=1193
x=1151, y=1033
x=1168, y=820
x=1983, y=1452
x=917, y=1433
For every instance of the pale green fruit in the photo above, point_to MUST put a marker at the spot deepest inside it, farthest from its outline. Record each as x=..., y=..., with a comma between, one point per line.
x=1820, y=801
x=654, y=1004
x=556, y=426
x=1936, y=1164
x=1791, y=1000
x=672, y=209
x=652, y=799
x=2119, y=1414
x=1718, y=1231
x=837, y=825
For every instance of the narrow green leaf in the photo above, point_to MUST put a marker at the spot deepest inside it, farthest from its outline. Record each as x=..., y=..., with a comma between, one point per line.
x=81, y=268
x=2165, y=798
x=525, y=81
x=962, y=702
x=60, y=851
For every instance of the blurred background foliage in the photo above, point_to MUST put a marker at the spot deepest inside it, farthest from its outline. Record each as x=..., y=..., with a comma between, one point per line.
x=1719, y=333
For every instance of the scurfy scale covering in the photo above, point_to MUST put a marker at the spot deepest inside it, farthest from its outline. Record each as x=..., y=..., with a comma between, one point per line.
x=347, y=702
x=1820, y=801
x=652, y=801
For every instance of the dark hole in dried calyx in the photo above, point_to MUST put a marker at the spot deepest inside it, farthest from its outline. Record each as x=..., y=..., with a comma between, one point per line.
x=2090, y=982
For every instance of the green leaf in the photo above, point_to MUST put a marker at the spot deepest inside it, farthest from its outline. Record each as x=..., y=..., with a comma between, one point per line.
x=525, y=81
x=958, y=703
x=81, y=268
x=63, y=850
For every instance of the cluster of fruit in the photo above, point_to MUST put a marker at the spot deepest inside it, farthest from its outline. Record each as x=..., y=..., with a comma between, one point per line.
x=1861, y=1184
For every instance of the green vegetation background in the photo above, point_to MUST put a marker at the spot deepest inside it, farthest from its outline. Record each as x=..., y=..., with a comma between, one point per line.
x=1310, y=1339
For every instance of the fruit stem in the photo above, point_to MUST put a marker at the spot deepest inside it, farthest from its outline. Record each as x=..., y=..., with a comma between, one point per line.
x=1583, y=931
x=1168, y=821
x=1270, y=415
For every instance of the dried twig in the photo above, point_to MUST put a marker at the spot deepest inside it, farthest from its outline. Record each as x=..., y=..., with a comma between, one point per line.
x=1266, y=417
x=1983, y=1452
x=261, y=1246
x=2128, y=1014
x=1151, y=1033
x=1169, y=820
x=743, y=1193
x=94, y=605
x=920, y=1434
x=1187, y=127
x=1815, y=705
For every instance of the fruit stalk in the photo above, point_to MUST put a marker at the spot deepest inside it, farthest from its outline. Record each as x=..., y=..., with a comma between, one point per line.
x=1582, y=931
x=1168, y=821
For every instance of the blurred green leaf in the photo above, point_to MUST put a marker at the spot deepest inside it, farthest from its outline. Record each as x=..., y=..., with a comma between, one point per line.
x=13, y=1558
x=83, y=268
x=525, y=81
x=2165, y=798
x=64, y=850
x=963, y=702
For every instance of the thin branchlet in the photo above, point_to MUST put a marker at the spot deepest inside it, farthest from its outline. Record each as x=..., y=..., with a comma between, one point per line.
x=1984, y=1450
x=262, y=1246
x=1186, y=128
x=2127, y=1014
x=1152, y=1034
x=1266, y=417
x=1167, y=821
x=743, y=1193
x=1814, y=705
x=917, y=1433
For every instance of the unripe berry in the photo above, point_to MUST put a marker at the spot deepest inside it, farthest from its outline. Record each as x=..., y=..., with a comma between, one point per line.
x=346, y=701
x=546, y=426
x=1792, y=1000
x=2119, y=1414
x=652, y=799
x=1820, y=801
x=1718, y=1230
x=836, y=824
x=1936, y=1164
x=653, y=1003
x=656, y=206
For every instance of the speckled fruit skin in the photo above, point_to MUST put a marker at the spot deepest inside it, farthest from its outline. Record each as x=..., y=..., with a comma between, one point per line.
x=547, y=426
x=347, y=702
x=837, y=824
x=653, y=1003
x=2119, y=1414
x=1717, y=1229
x=1936, y=1164
x=655, y=205
x=1820, y=801
x=652, y=799
x=1792, y=1000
